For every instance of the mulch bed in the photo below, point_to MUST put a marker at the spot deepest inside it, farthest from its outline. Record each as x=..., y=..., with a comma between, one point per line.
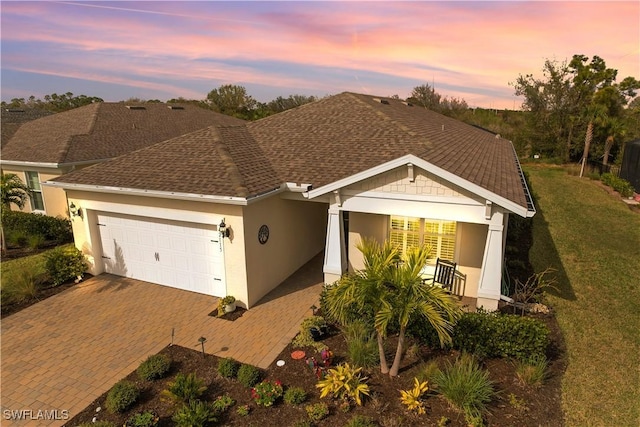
x=515, y=405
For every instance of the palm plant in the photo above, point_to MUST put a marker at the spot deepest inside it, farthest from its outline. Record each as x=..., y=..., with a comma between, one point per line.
x=13, y=190
x=390, y=287
x=411, y=298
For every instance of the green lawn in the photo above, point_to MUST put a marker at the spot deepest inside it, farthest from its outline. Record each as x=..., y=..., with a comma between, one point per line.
x=593, y=241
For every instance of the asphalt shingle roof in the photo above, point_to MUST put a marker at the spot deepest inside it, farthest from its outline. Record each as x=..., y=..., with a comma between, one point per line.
x=317, y=143
x=105, y=130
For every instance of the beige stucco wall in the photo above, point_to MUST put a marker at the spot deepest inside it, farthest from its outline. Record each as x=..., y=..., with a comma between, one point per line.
x=297, y=232
x=55, y=201
x=398, y=181
x=364, y=225
x=86, y=233
x=470, y=245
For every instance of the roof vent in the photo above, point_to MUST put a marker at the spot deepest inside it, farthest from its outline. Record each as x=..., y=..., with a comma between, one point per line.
x=497, y=136
x=384, y=101
x=136, y=107
x=443, y=128
x=176, y=107
x=408, y=104
x=14, y=110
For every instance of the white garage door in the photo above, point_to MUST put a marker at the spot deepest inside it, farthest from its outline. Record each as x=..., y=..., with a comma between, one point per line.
x=177, y=254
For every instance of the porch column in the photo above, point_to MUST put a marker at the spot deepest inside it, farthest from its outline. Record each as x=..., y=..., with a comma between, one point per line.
x=335, y=256
x=491, y=275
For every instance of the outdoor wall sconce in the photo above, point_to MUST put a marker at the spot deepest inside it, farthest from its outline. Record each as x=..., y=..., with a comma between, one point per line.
x=223, y=229
x=75, y=210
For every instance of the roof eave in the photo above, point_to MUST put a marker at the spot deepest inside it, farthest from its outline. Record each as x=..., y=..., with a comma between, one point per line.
x=209, y=198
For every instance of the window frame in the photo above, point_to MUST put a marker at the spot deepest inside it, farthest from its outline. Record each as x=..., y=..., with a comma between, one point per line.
x=35, y=194
x=422, y=235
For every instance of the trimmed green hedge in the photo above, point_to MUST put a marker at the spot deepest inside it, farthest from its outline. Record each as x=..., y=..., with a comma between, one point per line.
x=491, y=335
x=56, y=229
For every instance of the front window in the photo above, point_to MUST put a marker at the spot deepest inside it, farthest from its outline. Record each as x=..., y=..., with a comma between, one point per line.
x=33, y=182
x=413, y=232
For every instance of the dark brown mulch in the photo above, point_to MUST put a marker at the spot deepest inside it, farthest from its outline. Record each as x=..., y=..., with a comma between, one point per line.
x=515, y=404
x=234, y=315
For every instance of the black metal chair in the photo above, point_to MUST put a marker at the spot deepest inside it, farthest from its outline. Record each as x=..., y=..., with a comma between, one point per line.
x=444, y=274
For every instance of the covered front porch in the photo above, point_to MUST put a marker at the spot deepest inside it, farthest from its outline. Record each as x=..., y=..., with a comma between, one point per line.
x=412, y=207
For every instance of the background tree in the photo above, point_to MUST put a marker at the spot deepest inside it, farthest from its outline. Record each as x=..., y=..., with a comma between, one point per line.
x=292, y=101
x=232, y=100
x=53, y=102
x=425, y=96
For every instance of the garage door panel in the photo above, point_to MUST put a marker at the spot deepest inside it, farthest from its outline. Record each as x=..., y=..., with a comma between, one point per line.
x=180, y=255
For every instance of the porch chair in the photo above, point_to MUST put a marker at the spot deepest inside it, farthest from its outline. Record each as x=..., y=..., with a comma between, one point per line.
x=444, y=274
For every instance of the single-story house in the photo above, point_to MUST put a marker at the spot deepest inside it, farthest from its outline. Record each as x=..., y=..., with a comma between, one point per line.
x=50, y=146
x=234, y=210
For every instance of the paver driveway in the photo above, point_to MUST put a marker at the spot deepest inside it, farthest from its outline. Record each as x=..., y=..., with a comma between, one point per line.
x=62, y=353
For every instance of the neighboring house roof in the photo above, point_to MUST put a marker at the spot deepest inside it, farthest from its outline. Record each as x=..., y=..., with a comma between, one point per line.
x=12, y=118
x=105, y=130
x=316, y=144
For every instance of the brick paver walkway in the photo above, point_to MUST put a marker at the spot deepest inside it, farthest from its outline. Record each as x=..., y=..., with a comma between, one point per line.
x=65, y=351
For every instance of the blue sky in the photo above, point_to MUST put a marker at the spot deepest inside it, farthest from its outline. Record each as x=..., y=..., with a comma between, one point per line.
x=162, y=50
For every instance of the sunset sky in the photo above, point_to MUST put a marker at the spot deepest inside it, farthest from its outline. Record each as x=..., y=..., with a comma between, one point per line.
x=163, y=50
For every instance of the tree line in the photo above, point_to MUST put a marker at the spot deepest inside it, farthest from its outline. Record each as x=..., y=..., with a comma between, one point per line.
x=575, y=111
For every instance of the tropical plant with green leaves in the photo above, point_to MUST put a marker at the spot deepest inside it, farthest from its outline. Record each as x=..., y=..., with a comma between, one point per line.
x=13, y=190
x=390, y=287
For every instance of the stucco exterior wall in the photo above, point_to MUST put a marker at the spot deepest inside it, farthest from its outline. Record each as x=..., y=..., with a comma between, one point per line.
x=87, y=234
x=55, y=201
x=364, y=225
x=296, y=234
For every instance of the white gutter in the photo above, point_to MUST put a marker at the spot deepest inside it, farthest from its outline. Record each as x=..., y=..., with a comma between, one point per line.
x=154, y=193
x=51, y=165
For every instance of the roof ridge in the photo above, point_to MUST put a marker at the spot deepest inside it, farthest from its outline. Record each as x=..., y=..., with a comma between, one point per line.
x=223, y=151
x=64, y=151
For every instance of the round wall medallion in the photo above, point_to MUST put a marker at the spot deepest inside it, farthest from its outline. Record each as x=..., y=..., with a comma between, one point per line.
x=263, y=234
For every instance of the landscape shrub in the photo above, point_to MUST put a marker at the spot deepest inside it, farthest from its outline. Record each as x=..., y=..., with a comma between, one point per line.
x=56, y=229
x=465, y=386
x=622, y=186
x=64, y=264
x=501, y=335
x=121, y=396
x=413, y=398
x=228, y=367
x=35, y=241
x=185, y=388
x=490, y=334
x=194, y=414
x=361, y=421
x=317, y=411
x=222, y=403
x=267, y=393
x=20, y=285
x=142, y=419
x=249, y=375
x=362, y=346
x=154, y=367
x=344, y=382
x=295, y=396
x=305, y=337
x=533, y=371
